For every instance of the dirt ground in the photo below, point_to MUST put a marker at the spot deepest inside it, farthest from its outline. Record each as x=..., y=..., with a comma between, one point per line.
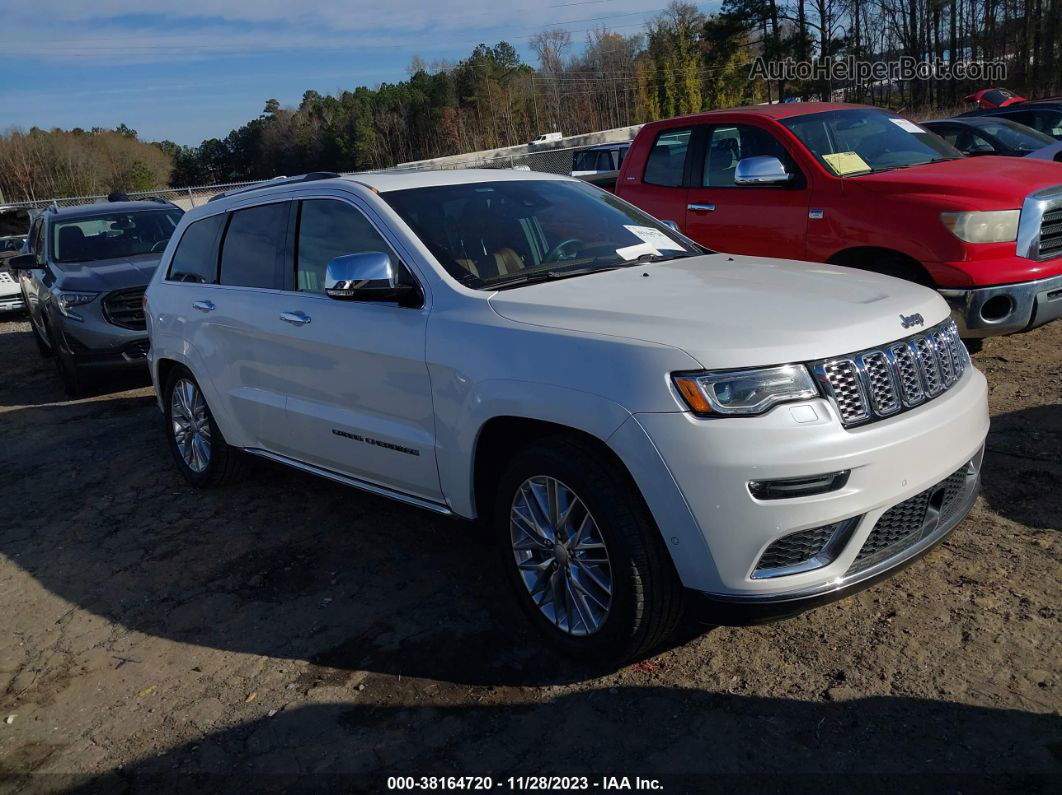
x=289, y=632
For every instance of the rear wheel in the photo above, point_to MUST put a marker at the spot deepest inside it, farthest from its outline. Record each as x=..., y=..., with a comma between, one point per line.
x=583, y=554
x=199, y=450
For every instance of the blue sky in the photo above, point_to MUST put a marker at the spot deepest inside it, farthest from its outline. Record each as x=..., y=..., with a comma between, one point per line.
x=193, y=69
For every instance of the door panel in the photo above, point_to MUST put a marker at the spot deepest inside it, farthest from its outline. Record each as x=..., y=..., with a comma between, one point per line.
x=737, y=219
x=662, y=191
x=359, y=397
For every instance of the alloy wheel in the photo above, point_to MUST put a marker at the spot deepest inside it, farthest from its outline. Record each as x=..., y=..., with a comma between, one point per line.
x=191, y=424
x=561, y=556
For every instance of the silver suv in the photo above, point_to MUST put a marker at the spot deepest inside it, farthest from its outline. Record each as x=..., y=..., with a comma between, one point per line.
x=83, y=281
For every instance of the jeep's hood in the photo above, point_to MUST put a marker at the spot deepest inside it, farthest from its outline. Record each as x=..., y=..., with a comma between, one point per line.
x=1002, y=183
x=108, y=274
x=731, y=311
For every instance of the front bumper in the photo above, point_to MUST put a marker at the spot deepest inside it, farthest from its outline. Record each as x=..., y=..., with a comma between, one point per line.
x=1006, y=308
x=719, y=539
x=11, y=303
x=731, y=610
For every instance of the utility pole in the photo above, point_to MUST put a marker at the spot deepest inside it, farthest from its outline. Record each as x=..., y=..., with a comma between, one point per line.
x=534, y=101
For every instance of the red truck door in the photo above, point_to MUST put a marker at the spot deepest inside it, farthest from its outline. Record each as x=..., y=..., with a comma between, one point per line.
x=662, y=189
x=768, y=221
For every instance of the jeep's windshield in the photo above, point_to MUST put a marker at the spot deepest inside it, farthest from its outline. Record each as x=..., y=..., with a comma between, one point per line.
x=861, y=141
x=489, y=233
x=114, y=235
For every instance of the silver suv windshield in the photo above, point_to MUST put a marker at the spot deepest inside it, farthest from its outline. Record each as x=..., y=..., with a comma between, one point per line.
x=857, y=141
x=112, y=236
x=492, y=234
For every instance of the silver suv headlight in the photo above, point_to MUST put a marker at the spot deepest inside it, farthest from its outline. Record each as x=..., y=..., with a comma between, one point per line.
x=745, y=391
x=67, y=300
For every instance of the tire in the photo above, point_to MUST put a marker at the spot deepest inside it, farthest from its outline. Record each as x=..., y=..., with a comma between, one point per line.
x=43, y=348
x=209, y=465
x=645, y=602
x=70, y=374
x=897, y=266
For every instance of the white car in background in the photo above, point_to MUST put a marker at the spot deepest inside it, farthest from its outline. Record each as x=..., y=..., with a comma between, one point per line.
x=641, y=423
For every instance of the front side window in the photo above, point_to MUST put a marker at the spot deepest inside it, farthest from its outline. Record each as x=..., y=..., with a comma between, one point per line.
x=853, y=142
x=966, y=140
x=327, y=229
x=727, y=145
x=1048, y=122
x=1015, y=136
x=113, y=236
x=667, y=158
x=252, y=250
x=487, y=233
x=196, y=257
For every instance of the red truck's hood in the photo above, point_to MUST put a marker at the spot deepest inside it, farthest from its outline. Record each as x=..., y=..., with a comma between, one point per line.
x=1001, y=183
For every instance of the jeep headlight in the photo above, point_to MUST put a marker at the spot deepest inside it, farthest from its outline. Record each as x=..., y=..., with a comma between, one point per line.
x=997, y=226
x=66, y=301
x=745, y=391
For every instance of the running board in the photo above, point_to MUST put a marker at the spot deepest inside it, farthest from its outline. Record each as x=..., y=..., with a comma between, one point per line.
x=362, y=485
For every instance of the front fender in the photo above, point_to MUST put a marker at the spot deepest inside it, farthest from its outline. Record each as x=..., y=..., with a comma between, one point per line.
x=458, y=433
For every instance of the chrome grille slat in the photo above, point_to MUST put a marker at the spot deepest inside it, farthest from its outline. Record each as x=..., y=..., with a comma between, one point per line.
x=881, y=382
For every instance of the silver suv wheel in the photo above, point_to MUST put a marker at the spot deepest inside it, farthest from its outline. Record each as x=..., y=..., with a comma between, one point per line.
x=561, y=556
x=190, y=424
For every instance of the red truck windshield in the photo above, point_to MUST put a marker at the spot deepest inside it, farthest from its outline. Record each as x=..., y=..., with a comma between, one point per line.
x=851, y=142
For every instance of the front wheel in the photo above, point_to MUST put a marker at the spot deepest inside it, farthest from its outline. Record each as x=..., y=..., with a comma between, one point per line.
x=583, y=554
x=66, y=367
x=199, y=450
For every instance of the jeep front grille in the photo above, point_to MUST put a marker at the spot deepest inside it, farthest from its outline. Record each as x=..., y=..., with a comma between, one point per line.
x=880, y=382
x=125, y=308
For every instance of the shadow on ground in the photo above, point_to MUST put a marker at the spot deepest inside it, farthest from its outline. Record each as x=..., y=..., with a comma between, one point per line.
x=696, y=740
x=1023, y=466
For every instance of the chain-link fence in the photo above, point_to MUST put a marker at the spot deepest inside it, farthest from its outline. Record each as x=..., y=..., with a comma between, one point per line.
x=550, y=161
x=186, y=198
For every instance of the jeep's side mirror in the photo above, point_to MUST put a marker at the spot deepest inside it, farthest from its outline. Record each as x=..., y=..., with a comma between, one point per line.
x=760, y=170
x=368, y=276
x=23, y=262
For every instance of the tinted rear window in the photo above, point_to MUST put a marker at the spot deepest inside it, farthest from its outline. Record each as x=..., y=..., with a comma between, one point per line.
x=252, y=251
x=196, y=257
x=667, y=158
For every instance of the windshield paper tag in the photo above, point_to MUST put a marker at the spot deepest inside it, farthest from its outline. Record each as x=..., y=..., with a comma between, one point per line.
x=844, y=163
x=654, y=237
x=903, y=124
x=635, y=251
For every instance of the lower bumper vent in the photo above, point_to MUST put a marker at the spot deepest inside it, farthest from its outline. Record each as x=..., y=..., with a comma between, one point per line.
x=908, y=522
x=804, y=550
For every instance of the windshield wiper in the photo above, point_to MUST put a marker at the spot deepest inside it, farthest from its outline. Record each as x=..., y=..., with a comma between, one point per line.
x=662, y=257
x=545, y=276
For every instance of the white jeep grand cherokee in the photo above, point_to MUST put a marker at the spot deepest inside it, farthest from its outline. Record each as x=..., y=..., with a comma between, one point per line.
x=641, y=423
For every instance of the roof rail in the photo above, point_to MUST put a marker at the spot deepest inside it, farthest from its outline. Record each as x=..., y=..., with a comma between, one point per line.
x=270, y=183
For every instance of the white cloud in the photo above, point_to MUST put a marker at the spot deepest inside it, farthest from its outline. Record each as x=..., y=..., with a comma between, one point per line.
x=140, y=30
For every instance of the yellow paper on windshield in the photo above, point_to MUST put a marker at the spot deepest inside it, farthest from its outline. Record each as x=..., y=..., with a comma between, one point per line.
x=844, y=163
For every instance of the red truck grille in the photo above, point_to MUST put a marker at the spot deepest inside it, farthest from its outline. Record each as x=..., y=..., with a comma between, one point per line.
x=880, y=382
x=1051, y=234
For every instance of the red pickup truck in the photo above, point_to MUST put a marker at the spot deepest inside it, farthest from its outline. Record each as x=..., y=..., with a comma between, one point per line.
x=863, y=187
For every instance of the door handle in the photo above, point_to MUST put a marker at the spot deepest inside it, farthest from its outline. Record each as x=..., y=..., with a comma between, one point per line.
x=204, y=306
x=295, y=318
x=701, y=208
